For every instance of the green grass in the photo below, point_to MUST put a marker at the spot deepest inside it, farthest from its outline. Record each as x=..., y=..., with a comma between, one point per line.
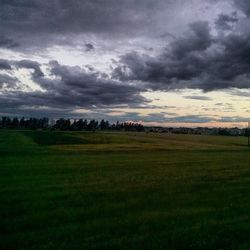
x=84, y=190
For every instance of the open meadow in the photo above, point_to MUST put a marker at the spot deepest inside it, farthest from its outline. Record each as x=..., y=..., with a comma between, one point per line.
x=107, y=190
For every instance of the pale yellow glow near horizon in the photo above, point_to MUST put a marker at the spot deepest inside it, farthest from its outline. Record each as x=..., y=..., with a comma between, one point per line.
x=221, y=104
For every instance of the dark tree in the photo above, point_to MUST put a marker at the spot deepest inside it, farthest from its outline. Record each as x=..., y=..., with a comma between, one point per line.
x=104, y=125
x=92, y=126
x=66, y=124
x=15, y=123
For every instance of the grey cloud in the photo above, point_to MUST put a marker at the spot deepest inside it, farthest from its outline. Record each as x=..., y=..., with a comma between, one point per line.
x=4, y=64
x=40, y=22
x=177, y=119
x=7, y=81
x=18, y=110
x=206, y=56
x=135, y=116
x=191, y=119
x=148, y=106
x=234, y=119
x=32, y=25
x=225, y=22
x=241, y=93
x=28, y=64
x=197, y=97
x=184, y=59
x=243, y=5
x=93, y=88
x=72, y=87
x=152, y=117
x=89, y=47
x=161, y=118
x=6, y=42
x=198, y=39
x=197, y=61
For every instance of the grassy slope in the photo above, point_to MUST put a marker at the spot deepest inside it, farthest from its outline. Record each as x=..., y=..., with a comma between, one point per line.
x=126, y=191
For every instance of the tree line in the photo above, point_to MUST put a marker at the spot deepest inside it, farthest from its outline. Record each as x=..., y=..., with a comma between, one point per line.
x=67, y=124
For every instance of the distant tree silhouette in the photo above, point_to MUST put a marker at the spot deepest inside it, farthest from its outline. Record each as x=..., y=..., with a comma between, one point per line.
x=80, y=125
x=62, y=124
x=66, y=124
x=22, y=122
x=104, y=125
x=15, y=123
x=6, y=122
x=93, y=125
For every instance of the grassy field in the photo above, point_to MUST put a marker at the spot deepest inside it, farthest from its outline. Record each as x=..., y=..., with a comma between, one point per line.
x=78, y=190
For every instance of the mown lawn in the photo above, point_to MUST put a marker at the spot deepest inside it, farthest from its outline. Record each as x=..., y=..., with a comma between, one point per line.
x=79, y=190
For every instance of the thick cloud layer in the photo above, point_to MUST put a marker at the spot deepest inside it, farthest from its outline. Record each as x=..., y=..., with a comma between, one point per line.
x=35, y=24
x=7, y=81
x=28, y=64
x=243, y=5
x=68, y=87
x=39, y=22
x=75, y=16
x=198, y=59
x=226, y=22
x=4, y=64
x=136, y=45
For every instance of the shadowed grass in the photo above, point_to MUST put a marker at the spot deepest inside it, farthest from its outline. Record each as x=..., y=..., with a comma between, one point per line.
x=46, y=138
x=123, y=191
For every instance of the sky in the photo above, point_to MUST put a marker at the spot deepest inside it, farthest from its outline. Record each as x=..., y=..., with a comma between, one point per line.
x=158, y=62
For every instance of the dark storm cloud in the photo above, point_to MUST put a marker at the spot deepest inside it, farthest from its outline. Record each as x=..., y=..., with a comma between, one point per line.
x=226, y=22
x=74, y=16
x=4, y=64
x=39, y=22
x=70, y=87
x=91, y=87
x=198, y=60
x=7, y=81
x=28, y=64
x=207, y=55
x=6, y=42
x=243, y=5
x=89, y=47
x=198, y=39
x=184, y=59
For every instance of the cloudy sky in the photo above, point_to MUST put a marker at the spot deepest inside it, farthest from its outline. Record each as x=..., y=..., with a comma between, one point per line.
x=160, y=62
